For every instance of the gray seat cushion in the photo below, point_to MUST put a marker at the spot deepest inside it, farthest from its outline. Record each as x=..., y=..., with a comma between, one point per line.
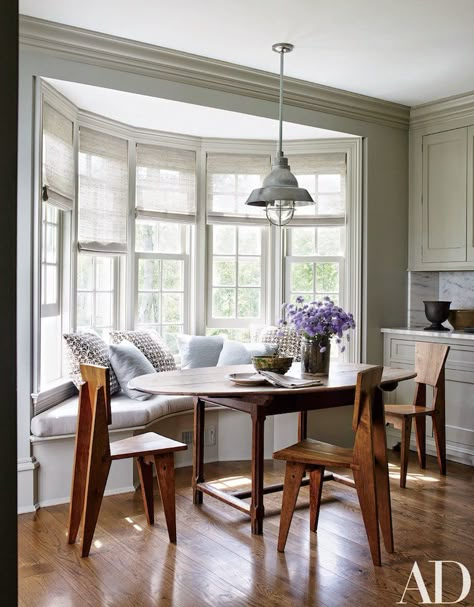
x=126, y=413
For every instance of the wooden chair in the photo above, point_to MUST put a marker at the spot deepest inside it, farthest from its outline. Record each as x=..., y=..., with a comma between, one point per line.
x=369, y=468
x=94, y=454
x=430, y=360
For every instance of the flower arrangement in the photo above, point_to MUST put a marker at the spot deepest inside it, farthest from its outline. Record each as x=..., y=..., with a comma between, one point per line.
x=318, y=321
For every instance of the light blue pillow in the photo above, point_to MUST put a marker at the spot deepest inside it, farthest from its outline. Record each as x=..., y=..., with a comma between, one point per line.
x=128, y=362
x=237, y=353
x=199, y=351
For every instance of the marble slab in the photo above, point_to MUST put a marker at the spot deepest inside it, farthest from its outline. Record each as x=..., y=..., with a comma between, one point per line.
x=422, y=286
x=440, y=334
x=458, y=288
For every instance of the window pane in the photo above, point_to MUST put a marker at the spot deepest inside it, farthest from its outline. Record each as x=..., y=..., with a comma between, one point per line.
x=51, y=243
x=250, y=239
x=302, y=279
x=149, y=308
x=85, y=272
x=223, y=303
x=249, y=272
x=169, y=237
x=84, y=310
x=249, y=303
x=104, y=279
x=242, y=335
x=223, y=274
x=51, y=284
x=145, y=236
x=330, y=241
x=302, y=241
x=329, y=184
x=159, y=237
x=148, y=274
x=173, y=275
x=104, y=310
x=331, y=204
x=223, y=238
x=327, y=277
x=172, y=304
x=169, y=333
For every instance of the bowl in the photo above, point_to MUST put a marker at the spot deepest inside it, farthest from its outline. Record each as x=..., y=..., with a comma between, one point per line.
x=461, y=319
x=275, y=364
x=436, y=312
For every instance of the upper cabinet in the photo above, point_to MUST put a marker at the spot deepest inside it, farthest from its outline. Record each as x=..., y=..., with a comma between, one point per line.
x=441, y=198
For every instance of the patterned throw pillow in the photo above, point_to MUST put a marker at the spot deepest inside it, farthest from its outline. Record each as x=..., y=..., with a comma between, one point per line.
x=88, y=348
x=150, y=344
x=288, y=343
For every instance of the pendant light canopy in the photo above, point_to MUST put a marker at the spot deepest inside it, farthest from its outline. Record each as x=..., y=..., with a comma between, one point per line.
x=280, y=193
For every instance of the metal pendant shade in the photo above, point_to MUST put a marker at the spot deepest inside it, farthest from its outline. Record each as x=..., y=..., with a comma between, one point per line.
x=280, y=193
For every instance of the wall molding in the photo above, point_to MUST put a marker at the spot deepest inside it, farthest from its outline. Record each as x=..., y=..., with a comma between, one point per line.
x=96, y=48
x=443, y=111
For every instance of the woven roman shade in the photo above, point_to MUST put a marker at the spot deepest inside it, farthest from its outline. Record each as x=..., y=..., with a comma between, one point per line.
x=58, y=159
x=166, y=181
x=103, y=192
x=230, y=179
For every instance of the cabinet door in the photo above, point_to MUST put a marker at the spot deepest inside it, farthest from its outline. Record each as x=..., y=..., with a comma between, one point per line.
x=470, y=193
x=444, y=196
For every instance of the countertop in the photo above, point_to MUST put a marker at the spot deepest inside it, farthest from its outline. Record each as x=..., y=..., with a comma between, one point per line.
x=422, y=333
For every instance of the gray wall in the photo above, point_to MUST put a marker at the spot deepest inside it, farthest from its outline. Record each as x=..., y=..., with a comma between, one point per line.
x=8, y=179
x=385, y=180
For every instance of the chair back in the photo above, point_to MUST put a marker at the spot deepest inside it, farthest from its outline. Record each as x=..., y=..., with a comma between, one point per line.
x=430, y=360
x=368, y=383
x=94, y=408
x=95, y=378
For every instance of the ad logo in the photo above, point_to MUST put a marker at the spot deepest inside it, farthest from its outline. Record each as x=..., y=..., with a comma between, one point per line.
x=438, y=594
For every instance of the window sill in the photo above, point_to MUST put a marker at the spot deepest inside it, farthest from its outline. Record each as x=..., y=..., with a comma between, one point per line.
x=52, y=394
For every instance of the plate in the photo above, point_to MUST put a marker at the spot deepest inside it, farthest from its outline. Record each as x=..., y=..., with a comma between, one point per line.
x=246, y=379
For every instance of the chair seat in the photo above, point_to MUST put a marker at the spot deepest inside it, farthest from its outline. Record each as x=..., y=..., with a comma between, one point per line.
x=149, y=443
x=315, y=452
x=404, y=410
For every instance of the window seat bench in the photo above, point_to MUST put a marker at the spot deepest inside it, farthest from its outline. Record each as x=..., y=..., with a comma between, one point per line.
x=53, y=440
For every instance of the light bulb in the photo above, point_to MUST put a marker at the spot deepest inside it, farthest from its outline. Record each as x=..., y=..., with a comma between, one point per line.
x=280, y=212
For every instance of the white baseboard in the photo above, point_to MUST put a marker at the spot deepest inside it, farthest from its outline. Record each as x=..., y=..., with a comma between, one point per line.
x=27, y=494
x=454, y=451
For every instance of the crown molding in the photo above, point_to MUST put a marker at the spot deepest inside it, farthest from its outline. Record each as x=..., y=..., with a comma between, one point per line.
x=443, y=111
x=140, y=58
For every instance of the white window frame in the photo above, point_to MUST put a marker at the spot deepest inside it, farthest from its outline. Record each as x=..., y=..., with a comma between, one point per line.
x=236, y=323
x=52, y=309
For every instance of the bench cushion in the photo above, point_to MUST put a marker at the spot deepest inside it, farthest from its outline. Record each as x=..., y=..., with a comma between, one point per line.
x=126, y=413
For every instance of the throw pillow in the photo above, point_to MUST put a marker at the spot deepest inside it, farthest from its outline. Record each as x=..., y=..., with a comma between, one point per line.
x=88, y=348
x=237, y=353
x=128, y=362
x=150, y=345
x=199, y=351
x=288, y=343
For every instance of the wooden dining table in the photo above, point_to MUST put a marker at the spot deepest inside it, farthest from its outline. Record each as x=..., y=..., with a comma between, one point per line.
x=210, y=386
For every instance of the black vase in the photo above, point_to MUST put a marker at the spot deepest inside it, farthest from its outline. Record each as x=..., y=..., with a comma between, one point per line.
x=436, y=312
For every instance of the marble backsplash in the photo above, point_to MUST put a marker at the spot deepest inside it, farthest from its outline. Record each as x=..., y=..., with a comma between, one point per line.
x=457, y=287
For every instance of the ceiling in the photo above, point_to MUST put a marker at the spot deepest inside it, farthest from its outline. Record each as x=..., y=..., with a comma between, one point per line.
x=177, y=117
x=407, y=51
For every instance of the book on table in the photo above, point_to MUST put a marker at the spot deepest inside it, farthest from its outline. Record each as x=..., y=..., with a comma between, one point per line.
x=286, y=381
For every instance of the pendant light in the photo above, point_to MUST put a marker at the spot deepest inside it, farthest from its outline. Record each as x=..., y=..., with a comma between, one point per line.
x=280, y=193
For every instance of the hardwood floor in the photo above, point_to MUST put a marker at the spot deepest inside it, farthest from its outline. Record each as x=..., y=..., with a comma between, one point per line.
x=218, y=562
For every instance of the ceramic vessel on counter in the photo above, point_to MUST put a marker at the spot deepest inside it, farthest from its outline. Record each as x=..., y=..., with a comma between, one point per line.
x=437, y=313
x=461, y=319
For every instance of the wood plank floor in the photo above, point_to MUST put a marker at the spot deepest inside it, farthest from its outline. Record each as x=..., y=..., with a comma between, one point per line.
x=218, y=562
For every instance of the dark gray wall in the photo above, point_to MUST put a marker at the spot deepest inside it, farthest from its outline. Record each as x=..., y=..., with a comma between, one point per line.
x=8, y=202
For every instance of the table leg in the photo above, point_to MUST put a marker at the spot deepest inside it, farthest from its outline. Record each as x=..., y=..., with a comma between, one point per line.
x=257, y=509
x=382, y=482
x=198, y=449
x=302, y=425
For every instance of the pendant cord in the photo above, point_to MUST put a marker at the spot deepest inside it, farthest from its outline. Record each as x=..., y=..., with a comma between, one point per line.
x=280, y=114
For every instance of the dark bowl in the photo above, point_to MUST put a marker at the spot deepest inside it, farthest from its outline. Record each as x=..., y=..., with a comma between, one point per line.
x=437, y=312
x=275, y=364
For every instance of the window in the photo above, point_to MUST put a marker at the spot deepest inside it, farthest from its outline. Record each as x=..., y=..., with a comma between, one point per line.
x=97, y=292
x=236, y=286
x=162, y=275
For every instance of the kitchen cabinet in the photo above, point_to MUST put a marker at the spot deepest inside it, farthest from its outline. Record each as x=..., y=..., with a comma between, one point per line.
x=441, y=223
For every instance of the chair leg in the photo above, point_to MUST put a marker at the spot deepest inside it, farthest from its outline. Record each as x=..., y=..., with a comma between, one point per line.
x=291, y=488
x=145, y=474
x=315, y=490
x=165, y=473
x=439, y=427
x=420, y=428
x=95, y=487
x=366, y=491
x=405, y=450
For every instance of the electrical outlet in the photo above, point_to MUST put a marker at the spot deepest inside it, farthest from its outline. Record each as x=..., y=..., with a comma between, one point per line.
x=187, y=437
x=210, y=436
